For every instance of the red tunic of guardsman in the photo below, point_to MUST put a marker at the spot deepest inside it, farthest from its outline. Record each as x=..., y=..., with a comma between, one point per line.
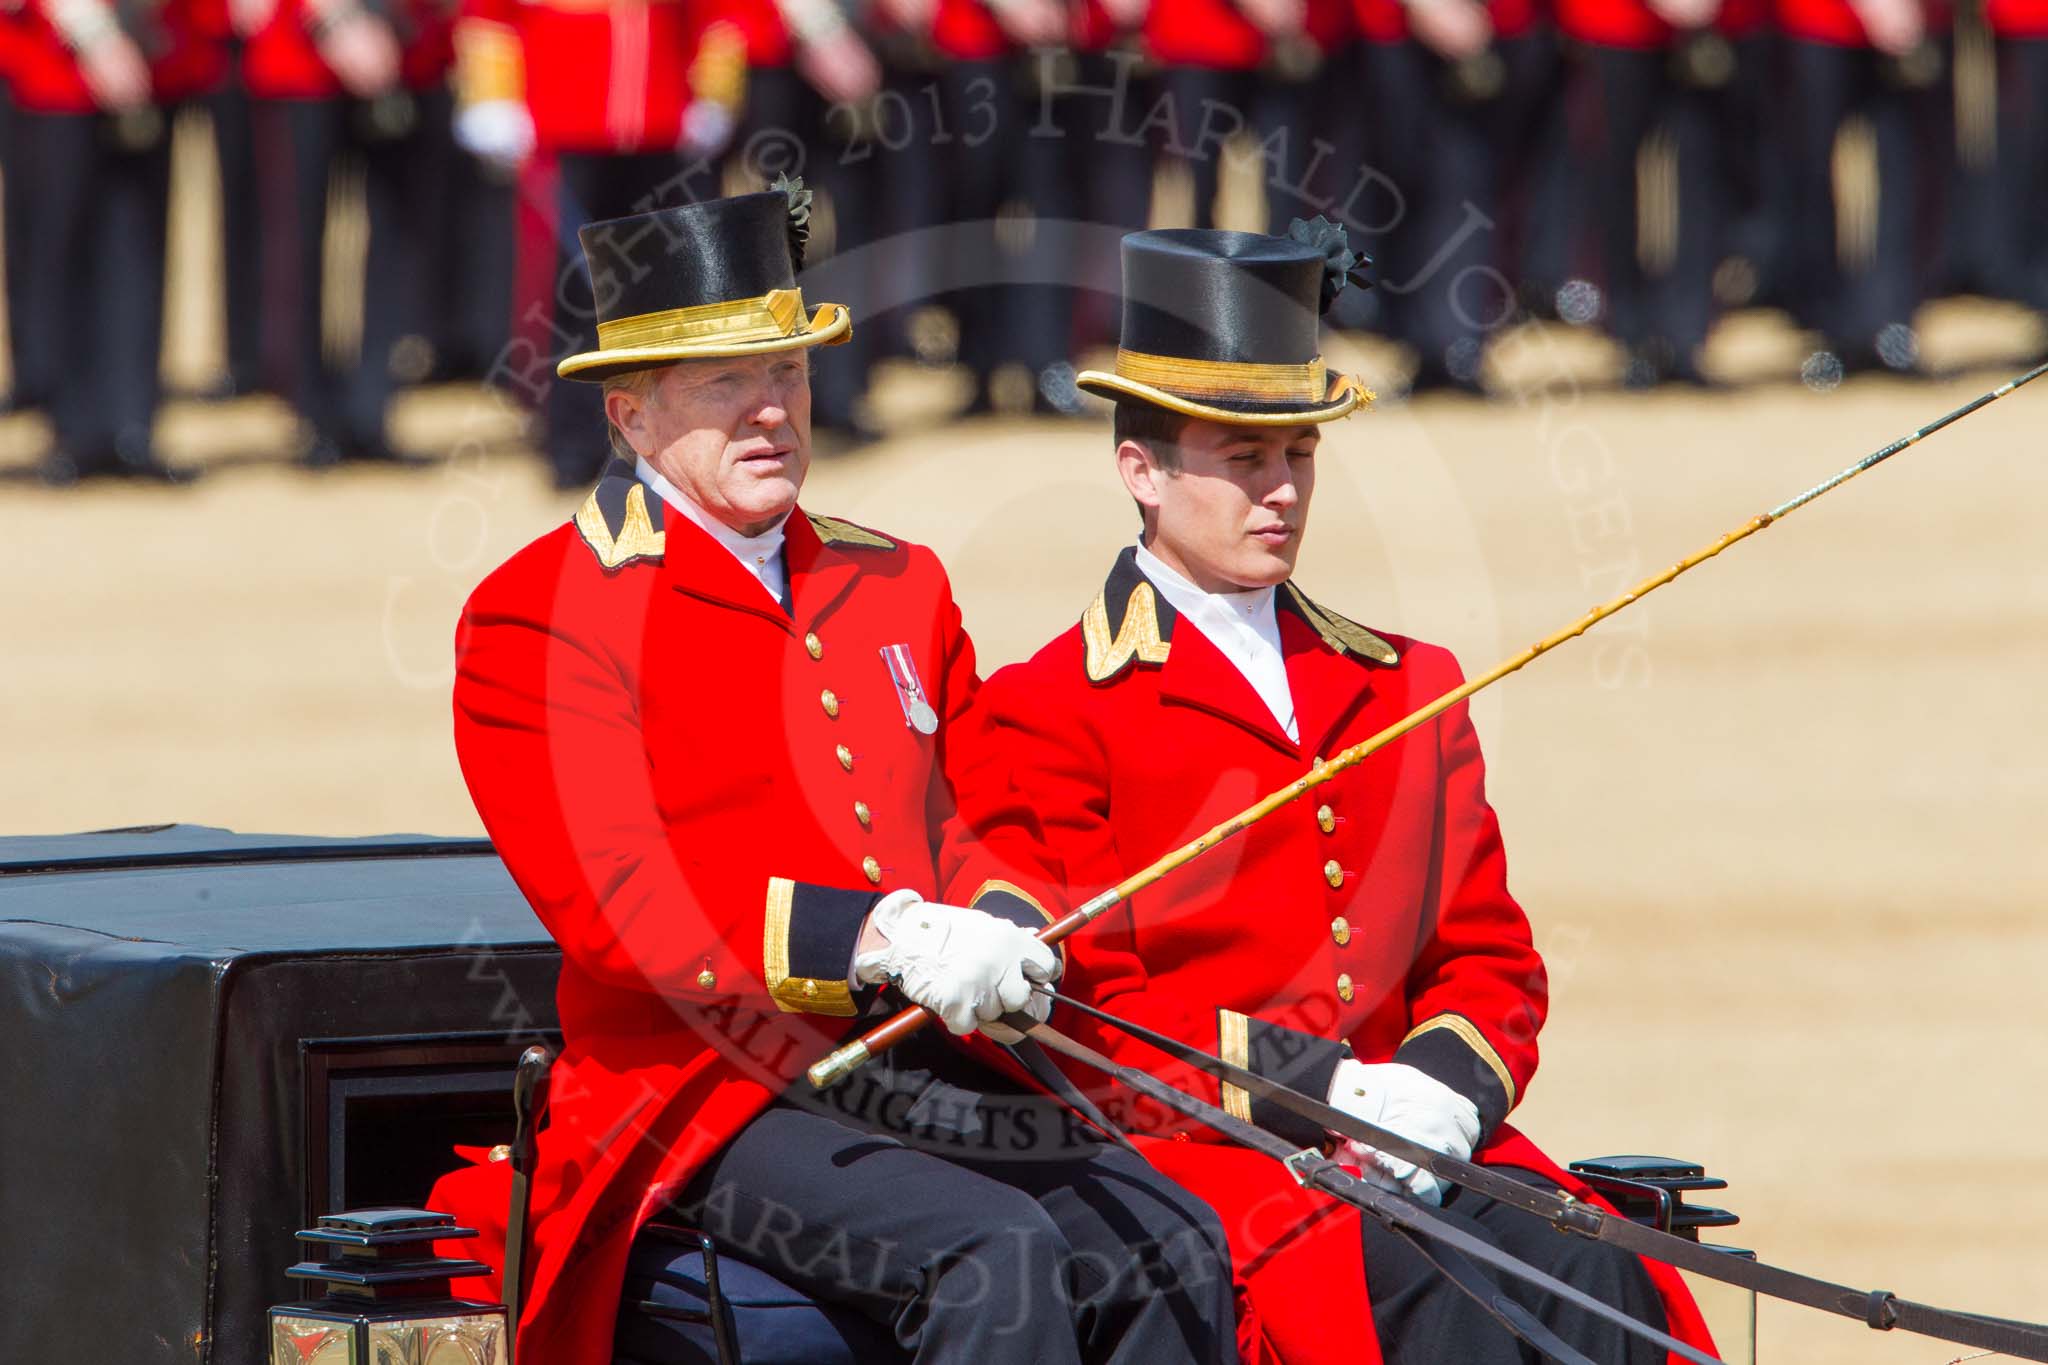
x=1386, y=21
x=181, y=40
x=2025, y=19
x=605, y=78
x=1218, y=35
x=281, y=55
x=1368, y=923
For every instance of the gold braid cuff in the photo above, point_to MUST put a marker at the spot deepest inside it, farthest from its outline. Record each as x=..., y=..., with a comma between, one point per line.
x=777, y=313
x=1468, y=1033
x=794, y=994
x=1306, y=383
x=1234, y=1045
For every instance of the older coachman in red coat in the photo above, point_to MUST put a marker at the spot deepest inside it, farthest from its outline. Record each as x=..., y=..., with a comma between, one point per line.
x=1359, y=945
x=721, y=743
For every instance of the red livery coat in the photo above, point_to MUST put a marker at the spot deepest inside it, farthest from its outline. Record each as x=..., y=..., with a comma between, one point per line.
x=701, y=795
x=1370, y=918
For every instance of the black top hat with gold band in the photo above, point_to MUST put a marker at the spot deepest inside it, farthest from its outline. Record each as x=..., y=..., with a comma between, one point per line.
x=1223, y=325
x=716, y=278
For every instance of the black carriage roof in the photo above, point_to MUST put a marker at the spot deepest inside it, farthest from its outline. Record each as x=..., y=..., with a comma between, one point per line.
x=215, y=891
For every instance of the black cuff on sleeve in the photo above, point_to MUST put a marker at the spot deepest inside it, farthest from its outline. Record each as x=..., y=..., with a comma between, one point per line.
x=1016, y=905
x=1449, y=1048
x=1300, y=1061
x=808, y=943
x=1013, y=906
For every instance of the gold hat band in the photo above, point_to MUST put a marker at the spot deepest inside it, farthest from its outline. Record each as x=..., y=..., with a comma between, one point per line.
x=776, y=313
x=1304, y=383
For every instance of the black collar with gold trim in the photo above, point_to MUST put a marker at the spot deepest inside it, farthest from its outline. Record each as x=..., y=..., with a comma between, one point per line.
x=1130, y=622
x=621, y=522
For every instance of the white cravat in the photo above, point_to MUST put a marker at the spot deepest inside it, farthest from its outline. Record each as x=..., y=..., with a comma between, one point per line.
x=1243, y=625
x=759, y=555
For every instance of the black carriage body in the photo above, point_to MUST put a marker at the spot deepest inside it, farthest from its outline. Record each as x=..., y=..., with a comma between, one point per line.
x=207, y=1040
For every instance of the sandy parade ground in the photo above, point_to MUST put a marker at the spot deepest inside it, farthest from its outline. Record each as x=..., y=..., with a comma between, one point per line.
x=1778, y=828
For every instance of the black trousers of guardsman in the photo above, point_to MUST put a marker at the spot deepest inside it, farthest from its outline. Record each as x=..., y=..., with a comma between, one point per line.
x=1858, y=284
x=405, y=168
x=235, y=152
x=967, y=1222
x=1658, y=214
x=1442, y=265
x=95, y=196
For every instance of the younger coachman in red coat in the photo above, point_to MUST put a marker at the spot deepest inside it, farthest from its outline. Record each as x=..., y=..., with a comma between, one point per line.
x=1360, y=944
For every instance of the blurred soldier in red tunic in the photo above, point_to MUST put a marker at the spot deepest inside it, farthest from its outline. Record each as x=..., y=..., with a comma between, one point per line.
x=813, y=80
x=1871, y=70
x=1038, y=161
x=339, y=84
x=1662, y=68
x=1230, y=66
x=1456, y=90
x=2020, y=209
x=588, y=102
x=94, y=87
x=1360, y=944
x=14, y=21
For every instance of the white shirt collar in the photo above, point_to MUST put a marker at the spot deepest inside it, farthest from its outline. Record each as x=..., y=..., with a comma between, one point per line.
x=759, y=555
x=1244, y=626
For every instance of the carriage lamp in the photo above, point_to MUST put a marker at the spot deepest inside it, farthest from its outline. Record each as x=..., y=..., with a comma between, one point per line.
x=385, y=1297
x=1651, y=1190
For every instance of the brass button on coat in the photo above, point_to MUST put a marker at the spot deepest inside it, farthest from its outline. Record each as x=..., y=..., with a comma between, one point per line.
x=872, y=870
x=707, y=979
x=1333, y=874
x=830, y=701
x=1344, y=990
x=845, y=757
x=1340, y=929
x=864, y=815
x=815, y=646
x=1326, y=819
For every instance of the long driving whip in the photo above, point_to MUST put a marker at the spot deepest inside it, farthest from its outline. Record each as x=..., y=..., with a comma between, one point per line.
x=879, y=1039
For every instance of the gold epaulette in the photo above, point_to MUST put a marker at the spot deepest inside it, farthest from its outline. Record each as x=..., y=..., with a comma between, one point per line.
x=634, y=537
x=833, y=531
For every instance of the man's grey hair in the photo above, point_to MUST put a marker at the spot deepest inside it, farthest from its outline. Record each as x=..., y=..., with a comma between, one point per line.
x=639, y=383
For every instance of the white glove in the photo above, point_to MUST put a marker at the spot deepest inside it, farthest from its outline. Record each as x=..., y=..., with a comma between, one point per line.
x=497, y=131
x=1397, y=1097
x=966, y=966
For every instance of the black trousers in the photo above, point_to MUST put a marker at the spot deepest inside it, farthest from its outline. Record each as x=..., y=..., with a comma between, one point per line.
x=1853, y=294
x=234, y=145
x=472, y=254
x=1087, y=181
x=91, y=290
x=1442, y=262
x=1043, y=185
x=301, y=143
x=976, y=1225
x=1421, y=1319
x=2022, y=171
x=1658, y=254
